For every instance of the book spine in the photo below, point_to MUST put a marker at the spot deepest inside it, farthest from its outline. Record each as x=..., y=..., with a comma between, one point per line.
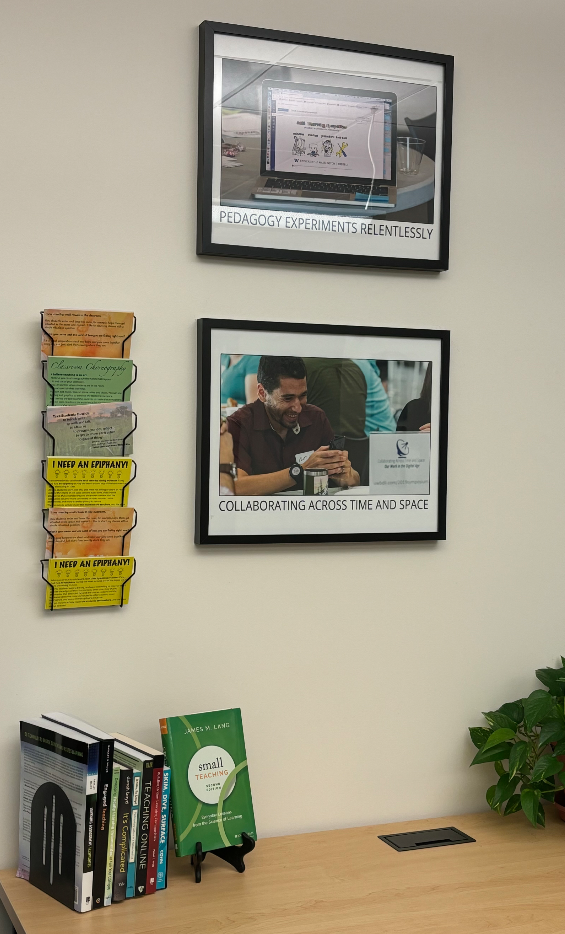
x=133, y=834
x=164, y=830
x=122, y=836
x=84, y=889
x=168, y=750
x=105, y=766
x=144, y=829
x=156, y=802
x=112, y=836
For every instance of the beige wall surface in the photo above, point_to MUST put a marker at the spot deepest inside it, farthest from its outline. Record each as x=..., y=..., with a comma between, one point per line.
x=358, y=668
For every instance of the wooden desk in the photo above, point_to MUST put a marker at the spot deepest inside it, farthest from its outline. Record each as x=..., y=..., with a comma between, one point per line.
x=343, y=882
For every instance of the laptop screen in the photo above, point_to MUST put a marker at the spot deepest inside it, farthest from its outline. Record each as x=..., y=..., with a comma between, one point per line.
x=339, y=134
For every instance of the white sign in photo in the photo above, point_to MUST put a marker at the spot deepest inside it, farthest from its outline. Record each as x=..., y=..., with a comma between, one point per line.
x=400, y=463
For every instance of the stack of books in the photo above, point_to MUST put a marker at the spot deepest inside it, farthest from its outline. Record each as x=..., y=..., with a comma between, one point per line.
x=94, y=813
x=88, y=467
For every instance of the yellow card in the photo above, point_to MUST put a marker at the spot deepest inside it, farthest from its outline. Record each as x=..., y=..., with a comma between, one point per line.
x=87, y=481
x=76, y=582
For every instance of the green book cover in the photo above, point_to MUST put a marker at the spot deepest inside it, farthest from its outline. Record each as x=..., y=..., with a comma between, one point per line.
x=210, y=790
x=80, y=380
x=112, y=834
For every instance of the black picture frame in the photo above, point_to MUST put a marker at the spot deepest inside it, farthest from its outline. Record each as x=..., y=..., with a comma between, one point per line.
x=206, y=246
x=205, y=329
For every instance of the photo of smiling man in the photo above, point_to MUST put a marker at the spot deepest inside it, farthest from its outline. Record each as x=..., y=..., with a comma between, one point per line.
x=279, y=436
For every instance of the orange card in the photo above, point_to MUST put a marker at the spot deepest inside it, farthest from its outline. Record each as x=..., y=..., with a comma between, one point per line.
x=77, y=533
x=86, y=333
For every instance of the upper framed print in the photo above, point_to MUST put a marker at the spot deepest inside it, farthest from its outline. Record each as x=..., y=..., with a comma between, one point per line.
x=320, y=150
x=315, y=433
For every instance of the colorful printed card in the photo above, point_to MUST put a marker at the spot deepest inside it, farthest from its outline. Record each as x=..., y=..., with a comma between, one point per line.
x=87, y=481
x=87, y=582
x=78, y=533
x=103, y=429
x=80, y=380
x=210, y=790
x=86, y=333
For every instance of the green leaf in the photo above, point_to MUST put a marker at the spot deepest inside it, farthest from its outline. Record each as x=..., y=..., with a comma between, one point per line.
x=551, y=732
x=529, y=798
x=537, y=708
x=544, y=787
x=545, y=767
x=560, y=748
x=490, y=796
x=514, y=804
x=492, y=755
x=499, y=736
x=548, y=796
x=498, y=720
x=514, y=710
x=554, y=679
x=499, y=768
x=541, y=815
x=518, y=756
x=505, y=789
x=479, y=735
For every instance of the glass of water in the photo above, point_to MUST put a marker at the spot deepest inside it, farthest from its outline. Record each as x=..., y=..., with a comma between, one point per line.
x=409, y=153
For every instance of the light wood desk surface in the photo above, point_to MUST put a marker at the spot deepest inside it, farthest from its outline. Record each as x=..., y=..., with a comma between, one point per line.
x=343, y=882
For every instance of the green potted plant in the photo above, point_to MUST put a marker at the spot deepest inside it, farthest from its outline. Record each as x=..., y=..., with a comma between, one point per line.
x=525, y=740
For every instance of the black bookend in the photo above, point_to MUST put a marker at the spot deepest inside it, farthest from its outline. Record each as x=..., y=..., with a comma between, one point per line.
x=196, y=860
x=53, y=844
x=234, y=855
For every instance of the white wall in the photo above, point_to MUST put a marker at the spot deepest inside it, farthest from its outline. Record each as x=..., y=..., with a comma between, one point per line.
x=358, y=668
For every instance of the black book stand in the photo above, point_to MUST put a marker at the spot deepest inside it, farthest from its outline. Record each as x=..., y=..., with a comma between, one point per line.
x=234, y=855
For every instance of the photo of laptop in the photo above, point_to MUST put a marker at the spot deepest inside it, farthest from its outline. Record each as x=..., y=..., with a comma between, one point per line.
x=327, y=145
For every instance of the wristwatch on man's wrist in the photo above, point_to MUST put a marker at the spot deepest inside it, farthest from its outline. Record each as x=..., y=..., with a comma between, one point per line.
x=229, y=468
x=297, y=474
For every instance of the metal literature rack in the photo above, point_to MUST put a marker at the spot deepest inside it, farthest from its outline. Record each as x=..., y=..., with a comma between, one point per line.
x=93, y=478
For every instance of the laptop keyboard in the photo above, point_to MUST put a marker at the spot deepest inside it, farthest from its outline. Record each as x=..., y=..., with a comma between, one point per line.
x=308, y=184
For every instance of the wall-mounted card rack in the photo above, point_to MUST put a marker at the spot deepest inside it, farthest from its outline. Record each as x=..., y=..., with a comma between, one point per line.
x=88, y=468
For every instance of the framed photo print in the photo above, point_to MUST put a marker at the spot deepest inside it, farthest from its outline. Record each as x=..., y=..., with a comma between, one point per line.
x=322, y=150
x=319, y=433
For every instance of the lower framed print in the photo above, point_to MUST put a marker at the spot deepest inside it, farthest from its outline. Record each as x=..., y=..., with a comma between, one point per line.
x=320, y=433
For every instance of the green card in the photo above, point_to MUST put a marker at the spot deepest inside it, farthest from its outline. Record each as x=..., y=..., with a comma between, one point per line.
x=80, y=380
x=210, y=790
